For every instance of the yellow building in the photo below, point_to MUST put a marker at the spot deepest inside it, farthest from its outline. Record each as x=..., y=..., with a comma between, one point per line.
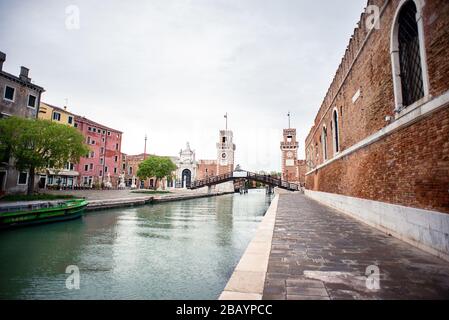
x=65, y=177
x=56, y=114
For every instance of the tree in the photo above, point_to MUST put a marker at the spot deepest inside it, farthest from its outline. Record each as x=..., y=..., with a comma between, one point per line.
x=157, y=167
x=37, y=144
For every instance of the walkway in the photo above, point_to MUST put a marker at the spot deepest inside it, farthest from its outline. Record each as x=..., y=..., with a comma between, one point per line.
x=320, y=253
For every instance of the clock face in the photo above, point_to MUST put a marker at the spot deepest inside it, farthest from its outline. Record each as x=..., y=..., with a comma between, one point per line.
x=224, y=155
x=290, y=154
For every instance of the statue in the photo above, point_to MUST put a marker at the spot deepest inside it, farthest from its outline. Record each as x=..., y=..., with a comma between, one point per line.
x=133, y=183
x=108, y=183
x=122, y=184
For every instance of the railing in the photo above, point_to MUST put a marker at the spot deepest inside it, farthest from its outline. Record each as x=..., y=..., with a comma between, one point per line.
x=266, y=179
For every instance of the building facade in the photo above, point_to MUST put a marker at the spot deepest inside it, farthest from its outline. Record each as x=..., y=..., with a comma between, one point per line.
x=379, y=147
x=63, y=177
x=103, y=164
x=21, y=98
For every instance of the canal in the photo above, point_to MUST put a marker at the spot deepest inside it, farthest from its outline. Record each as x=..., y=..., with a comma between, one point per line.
x=178, y=250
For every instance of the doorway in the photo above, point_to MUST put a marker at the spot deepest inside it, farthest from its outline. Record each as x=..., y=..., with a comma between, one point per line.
x=186, y=178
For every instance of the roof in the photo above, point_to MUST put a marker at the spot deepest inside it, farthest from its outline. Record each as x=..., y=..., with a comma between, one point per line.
x=22, y=82
x=58, y=108
x=96, y=124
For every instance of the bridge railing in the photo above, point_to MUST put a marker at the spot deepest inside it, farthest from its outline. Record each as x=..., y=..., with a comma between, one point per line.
x=267, y=179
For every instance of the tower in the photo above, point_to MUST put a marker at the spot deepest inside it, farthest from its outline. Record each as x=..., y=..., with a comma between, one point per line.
x=225, y=152
x=289, y=148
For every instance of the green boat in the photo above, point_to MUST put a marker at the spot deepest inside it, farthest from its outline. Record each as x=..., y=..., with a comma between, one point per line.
x=30, y=213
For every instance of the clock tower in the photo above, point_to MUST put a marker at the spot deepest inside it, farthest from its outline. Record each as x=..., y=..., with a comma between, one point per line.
x=225, y=152
x=289, y=148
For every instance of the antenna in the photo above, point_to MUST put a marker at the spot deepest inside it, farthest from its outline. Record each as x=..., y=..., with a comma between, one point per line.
x=289, y=115
x=226, y=117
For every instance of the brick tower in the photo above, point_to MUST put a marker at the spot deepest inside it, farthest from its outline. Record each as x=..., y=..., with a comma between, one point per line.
x=225, y=152
x=289, y=148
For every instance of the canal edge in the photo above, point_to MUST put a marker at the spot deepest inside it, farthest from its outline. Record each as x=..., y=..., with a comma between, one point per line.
x=248, y=279
x=99, y=205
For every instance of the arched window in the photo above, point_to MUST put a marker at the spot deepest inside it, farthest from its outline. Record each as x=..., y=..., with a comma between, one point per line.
x=408, y=54
x=324, y=143
x=336, y=132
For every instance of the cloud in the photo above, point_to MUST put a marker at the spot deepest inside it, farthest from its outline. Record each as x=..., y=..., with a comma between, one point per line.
x=172, y=68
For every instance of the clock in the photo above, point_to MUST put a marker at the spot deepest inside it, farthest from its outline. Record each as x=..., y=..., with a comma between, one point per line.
x=224, y=155
x=289, y=154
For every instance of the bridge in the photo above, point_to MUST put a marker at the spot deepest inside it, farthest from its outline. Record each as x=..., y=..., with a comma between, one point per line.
x=239, y=175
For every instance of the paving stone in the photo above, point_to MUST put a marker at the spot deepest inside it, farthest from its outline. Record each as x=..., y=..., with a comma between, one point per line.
x=329, y=244
x=307, y=291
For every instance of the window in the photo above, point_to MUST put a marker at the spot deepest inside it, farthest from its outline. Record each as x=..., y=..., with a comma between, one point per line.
x=116, y=146
x=94, y=130
x=335, y=132
x=86, y=167
x=92, y=154
x=93, y=141
x=102, y=150
x=56, y=116
x=104, y=132
x=408, y=55
x=116, y=158
x=22, y=179
x=289, y=139
x=115, y=170
x=89, y=128
x=130, y=170
x=69, y=166
x=91, y=166
x=109, y=133
x=324, y=143
x=224, y=140
x=101, y=161
x=10, y=93
x=76, y=125
x=88, y=140
x=101, y=173
x=70, y=120
x=105, y=169
x=32, y=101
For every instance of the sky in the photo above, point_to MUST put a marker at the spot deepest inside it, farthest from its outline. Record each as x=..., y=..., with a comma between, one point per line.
x=171, y=69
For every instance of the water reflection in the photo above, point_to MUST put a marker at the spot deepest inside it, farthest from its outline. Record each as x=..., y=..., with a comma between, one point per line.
x=180, y=250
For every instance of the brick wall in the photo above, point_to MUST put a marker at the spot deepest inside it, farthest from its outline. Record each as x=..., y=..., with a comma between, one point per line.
x=206, y=168
x=409, y=167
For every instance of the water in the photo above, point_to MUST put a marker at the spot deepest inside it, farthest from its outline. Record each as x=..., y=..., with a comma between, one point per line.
x=179, y=250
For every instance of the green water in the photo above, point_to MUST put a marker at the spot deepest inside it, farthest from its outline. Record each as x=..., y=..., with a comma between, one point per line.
x=179, y=250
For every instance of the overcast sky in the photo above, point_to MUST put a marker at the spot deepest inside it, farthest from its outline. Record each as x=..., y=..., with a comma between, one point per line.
x=173, y=68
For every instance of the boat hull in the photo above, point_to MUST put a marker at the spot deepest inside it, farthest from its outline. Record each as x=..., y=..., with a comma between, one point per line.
x=42, y=216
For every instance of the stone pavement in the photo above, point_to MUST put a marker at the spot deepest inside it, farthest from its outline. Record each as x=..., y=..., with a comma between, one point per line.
x=319, y=253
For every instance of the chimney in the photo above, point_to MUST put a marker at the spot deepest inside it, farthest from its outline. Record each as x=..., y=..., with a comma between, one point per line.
x=24, y=74
x=2, y=59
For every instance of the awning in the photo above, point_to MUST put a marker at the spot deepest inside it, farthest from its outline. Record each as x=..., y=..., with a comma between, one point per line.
x=63, y=173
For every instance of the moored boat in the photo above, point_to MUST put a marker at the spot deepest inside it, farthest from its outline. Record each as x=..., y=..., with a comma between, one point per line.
x=24, y=214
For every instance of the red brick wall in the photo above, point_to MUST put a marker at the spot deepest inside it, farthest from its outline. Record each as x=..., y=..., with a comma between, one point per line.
x=404, y=168
x=409, y=167
x=206, y=168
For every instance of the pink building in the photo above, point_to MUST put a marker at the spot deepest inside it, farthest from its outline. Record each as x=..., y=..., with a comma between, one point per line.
x=104, y=157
